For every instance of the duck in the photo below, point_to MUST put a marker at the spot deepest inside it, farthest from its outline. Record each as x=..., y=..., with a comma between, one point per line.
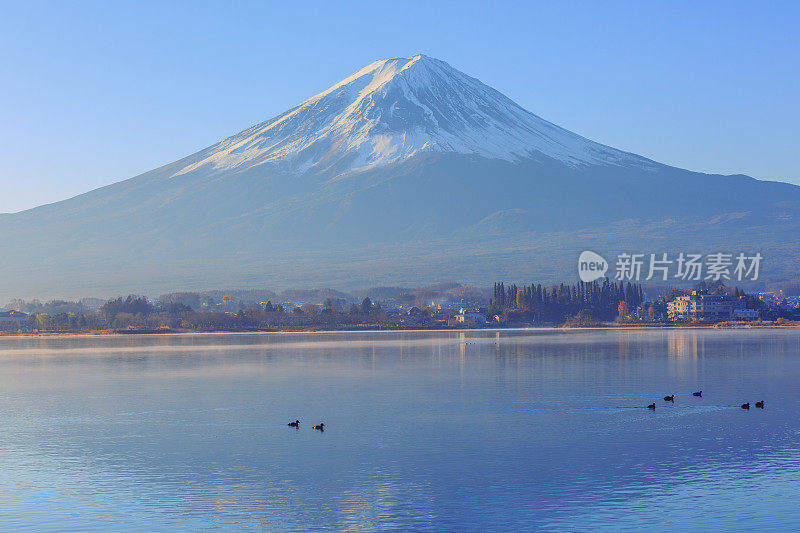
x=760, y=404
x=698, y=393
x=295, y=424
x=746, y=405
x=669, y=398
x=320, y=427
x=652, y=406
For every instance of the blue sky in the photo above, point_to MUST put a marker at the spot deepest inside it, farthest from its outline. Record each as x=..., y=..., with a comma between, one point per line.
x=97, y=92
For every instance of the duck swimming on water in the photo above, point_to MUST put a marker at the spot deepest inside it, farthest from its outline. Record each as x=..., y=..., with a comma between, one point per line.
x=669, y=398
x=760, y=404
x=320, y=427
x=746, y=405
x=652, y=406
x=698, y=393
x=295, y=424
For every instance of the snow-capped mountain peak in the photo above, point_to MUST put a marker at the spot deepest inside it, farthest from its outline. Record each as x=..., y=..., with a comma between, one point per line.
x=396, y=108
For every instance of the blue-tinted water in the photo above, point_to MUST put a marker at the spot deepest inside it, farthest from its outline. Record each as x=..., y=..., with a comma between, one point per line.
x=425, y=431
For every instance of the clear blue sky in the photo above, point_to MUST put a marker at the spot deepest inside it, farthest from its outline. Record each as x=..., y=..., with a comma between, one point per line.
x=97, y=92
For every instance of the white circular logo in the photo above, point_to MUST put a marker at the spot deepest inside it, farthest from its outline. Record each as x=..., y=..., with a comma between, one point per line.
x=591, y=266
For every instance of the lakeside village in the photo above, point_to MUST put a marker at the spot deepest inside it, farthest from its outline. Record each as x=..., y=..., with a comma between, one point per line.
x=595, y=304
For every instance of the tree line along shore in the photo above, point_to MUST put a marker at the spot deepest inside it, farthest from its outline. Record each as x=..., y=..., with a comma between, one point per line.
x=450, y=306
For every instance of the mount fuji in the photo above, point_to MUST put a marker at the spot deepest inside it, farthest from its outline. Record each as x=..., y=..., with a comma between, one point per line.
x=406, y=172
x=395, y=109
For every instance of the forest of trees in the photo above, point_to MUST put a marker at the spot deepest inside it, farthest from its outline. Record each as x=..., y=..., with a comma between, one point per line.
x=579, y=304
x=137, y=313
x=599, y=301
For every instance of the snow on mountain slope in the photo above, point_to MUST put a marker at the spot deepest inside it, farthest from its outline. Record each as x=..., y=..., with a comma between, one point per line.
x=396, y=198
x=394, y=109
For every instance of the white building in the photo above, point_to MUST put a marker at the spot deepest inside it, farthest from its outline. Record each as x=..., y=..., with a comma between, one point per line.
x=701, y=306
x=470, y=318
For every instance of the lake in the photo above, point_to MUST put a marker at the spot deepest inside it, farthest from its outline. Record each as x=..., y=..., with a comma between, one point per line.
x=424, y=431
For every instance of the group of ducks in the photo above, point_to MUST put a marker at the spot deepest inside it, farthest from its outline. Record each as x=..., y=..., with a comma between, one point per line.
x=296, y=424
x=698, y=394
x=760, y=405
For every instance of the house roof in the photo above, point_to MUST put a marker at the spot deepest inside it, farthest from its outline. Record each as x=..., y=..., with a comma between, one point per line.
x=12, y=314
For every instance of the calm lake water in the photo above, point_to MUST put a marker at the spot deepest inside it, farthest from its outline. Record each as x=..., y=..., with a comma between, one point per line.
x=440, y=431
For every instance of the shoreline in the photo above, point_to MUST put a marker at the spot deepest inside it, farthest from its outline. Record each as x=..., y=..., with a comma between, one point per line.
x=172, y=332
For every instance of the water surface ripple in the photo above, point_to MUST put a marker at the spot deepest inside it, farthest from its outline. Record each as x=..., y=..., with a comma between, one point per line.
x=425, y=431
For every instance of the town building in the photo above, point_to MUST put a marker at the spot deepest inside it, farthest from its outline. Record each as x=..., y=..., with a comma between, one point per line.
x=13, y=316
x=699, y=306
x=745, y=314
x=470, y=318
